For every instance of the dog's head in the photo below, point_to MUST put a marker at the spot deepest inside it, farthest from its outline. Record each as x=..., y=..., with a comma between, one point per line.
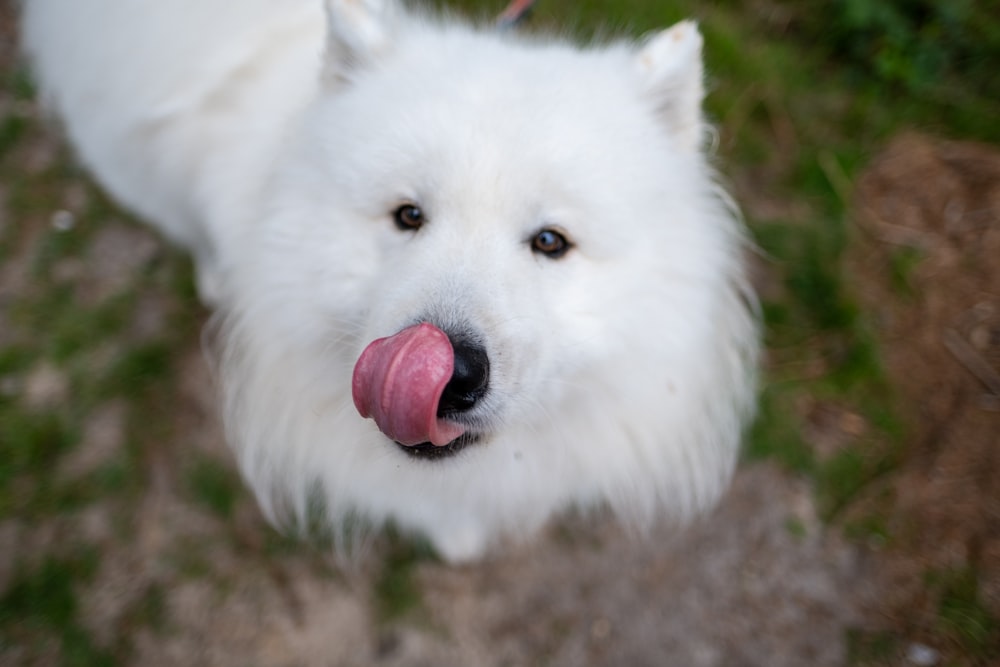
x=510, y=254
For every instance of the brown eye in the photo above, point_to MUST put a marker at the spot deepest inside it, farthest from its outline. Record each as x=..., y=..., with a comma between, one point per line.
x=550, y=243
x=408, y=217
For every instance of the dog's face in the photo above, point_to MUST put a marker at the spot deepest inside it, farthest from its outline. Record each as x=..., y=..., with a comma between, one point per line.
x=539, y=218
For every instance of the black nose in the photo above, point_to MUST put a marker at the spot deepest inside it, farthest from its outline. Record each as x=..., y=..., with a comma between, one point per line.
x=470, y=379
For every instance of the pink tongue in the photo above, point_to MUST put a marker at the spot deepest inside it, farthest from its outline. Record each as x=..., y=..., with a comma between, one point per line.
x=398, y=382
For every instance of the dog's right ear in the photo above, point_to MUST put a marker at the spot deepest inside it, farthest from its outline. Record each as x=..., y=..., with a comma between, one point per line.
x=671, y=67
x=358, y=31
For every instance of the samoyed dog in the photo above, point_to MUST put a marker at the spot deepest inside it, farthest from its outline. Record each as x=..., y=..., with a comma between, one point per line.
x=465, y=278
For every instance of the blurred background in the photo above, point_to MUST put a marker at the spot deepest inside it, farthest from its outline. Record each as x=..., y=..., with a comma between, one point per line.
x=862, y=141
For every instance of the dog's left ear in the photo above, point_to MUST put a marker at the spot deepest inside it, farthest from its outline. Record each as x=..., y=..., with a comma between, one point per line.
x=358, y=31
x=670, y=64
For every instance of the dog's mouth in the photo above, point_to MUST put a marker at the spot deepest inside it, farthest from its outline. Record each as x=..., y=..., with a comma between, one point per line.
x=431, y=452
x=422, y=386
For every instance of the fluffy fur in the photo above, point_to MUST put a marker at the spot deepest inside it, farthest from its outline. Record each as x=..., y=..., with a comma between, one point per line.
x=274, y=139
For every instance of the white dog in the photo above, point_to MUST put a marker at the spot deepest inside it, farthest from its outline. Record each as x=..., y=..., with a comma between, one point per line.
x=507, y=251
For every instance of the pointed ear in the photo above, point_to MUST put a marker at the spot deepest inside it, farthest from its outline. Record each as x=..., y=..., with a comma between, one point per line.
x=670, y=64
x=358, y=31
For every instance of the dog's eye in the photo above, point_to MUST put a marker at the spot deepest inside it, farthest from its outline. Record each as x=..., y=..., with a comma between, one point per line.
x=408, y=217
x=550, y=243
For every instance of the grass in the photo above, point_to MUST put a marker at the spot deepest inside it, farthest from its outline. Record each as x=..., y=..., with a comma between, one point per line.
x=90, y=346
x=803, y=93
x=396, y=593
x=872, y=648
x=214, y=486
x=902, y=264
x=42, y=604
x=962, y=614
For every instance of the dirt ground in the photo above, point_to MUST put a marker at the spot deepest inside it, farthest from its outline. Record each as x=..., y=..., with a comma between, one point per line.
x=760, y=582
x=927, y=267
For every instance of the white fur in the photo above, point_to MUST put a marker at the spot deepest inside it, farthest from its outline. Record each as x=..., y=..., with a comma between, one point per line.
x=274, y=140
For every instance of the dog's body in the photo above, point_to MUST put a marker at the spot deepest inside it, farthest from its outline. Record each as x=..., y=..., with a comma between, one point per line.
x=530, y=230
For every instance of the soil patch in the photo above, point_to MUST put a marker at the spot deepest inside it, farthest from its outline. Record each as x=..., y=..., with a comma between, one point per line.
x=927, y=267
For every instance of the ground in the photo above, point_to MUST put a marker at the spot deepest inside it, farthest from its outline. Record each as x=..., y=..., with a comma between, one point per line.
x=862, y=528
x=926, y=261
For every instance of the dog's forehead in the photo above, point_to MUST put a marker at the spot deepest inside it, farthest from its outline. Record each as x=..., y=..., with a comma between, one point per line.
x=486, y=73
x=488, y=97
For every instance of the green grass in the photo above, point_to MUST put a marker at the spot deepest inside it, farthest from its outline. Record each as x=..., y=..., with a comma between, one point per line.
x=214, y=486
x=139, y=369
x=963, y=616
x=43, y=603
x=903, y=262
x=150, y=610
x=32, y=442
x=777, y=432
x=89, y=341
x=11, y=129
x=396, y=593
x=872, y=649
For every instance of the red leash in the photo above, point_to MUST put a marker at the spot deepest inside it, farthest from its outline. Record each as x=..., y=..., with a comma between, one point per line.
x=516, y=11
